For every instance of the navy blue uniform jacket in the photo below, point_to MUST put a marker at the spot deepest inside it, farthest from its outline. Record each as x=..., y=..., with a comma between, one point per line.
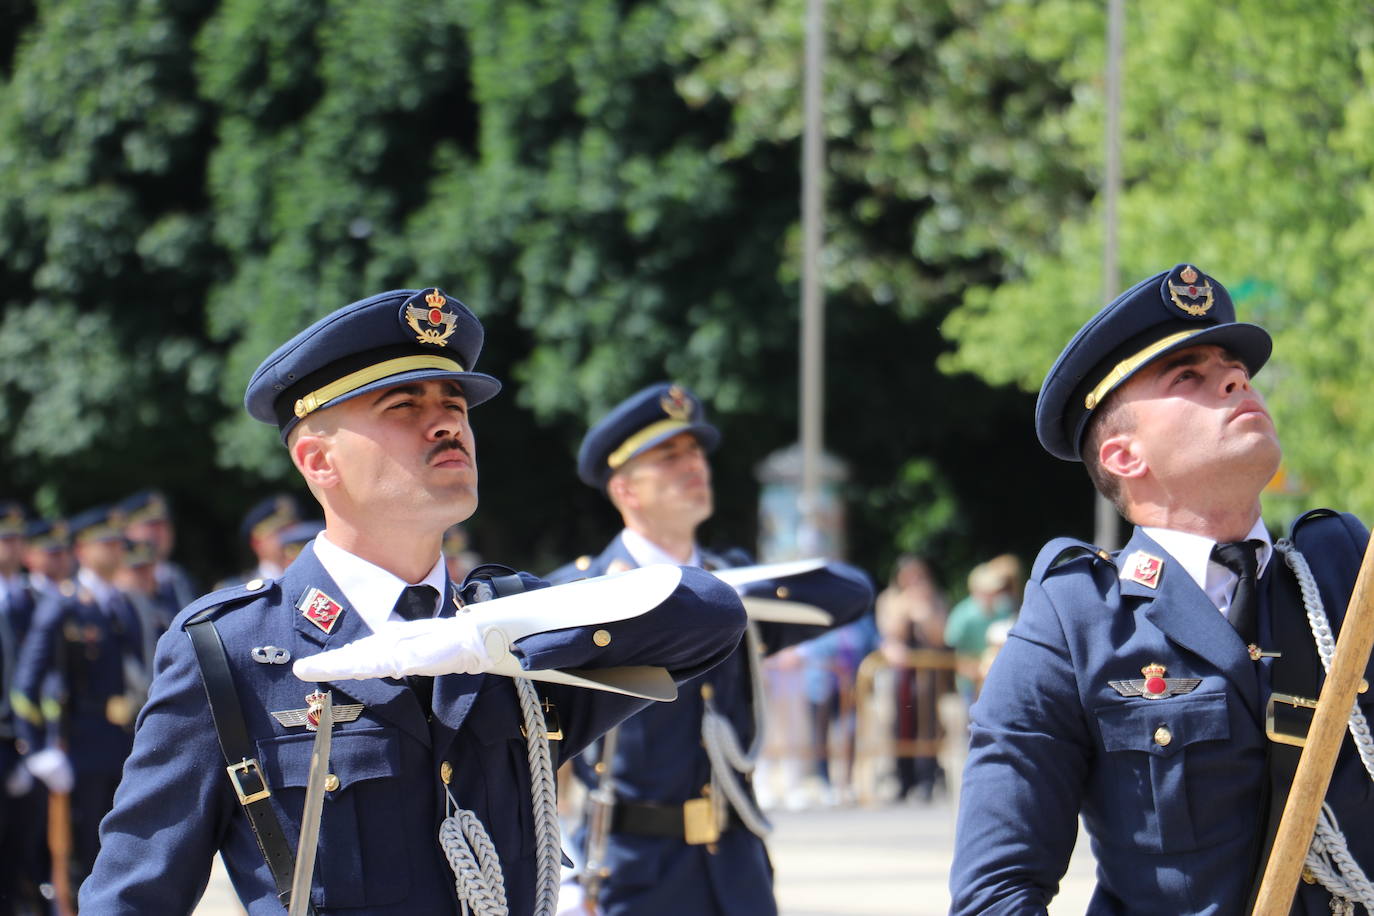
x=660, y=758
x=379, y=850
x=1175, y=825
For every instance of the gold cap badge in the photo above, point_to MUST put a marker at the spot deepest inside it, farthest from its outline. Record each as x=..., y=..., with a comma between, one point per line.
x=438, y=322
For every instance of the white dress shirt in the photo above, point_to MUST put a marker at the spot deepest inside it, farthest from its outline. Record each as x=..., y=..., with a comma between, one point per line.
x=1194, y=553
x=369, y=589
x=646, y=553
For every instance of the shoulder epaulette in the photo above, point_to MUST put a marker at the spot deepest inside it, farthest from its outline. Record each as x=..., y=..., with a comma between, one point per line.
x=212, y=603
x=1062, y=551
x=1310, y=515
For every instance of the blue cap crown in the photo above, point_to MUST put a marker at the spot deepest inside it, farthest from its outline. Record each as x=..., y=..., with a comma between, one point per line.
x=13, y=518
x=638, y=423
x=1178, y=308
x=144, y=506
x=47, y=534
x=388, y=339
x=269, y=515
x=101, y=523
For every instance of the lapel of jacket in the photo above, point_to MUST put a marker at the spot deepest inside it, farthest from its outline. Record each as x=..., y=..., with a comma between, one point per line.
x=616, y=554
x=385, y=698
x=1184, y=613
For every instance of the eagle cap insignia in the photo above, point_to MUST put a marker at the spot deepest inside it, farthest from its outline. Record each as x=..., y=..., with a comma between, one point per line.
x=320, y=609
x=1190, y=297
x=675, y=404
x=1143, y=568
x=429, y=315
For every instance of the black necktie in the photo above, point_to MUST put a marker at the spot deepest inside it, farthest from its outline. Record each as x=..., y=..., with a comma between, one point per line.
x=1242, y=558
x=417, y=602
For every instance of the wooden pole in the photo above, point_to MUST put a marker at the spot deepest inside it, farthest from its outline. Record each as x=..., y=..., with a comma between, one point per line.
x=1324, y=739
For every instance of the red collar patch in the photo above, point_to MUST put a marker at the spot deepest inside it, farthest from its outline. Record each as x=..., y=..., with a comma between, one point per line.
x=320, y=609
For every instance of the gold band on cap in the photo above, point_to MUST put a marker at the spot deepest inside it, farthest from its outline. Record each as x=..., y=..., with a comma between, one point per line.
x=632, y=444
x=1132, y=363
x=355, y=380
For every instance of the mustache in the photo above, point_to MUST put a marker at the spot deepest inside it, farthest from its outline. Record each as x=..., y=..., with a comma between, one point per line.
x=447, y=445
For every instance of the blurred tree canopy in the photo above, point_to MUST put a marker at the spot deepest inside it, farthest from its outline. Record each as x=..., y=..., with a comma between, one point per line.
x=613, y=188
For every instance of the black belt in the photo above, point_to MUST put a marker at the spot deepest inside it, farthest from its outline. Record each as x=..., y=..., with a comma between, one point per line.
x=250, y=783
x=652, y=819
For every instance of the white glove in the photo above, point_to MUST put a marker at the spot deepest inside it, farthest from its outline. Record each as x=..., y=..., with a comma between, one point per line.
x=19, y=781
x=53, y=767
x=449, y=645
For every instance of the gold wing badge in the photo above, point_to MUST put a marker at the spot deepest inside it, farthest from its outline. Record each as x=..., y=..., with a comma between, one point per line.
x=1155, y=686
x=310, y=716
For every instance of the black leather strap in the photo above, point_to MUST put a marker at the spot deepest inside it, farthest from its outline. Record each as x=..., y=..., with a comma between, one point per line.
x=651, y=819
x=250, y=783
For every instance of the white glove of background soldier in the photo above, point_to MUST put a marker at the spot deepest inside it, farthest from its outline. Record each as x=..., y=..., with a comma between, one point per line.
x=53, y=767
x=448, y=645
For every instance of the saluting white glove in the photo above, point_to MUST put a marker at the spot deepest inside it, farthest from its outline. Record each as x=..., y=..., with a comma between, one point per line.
x=448, y=645
x=53, y=767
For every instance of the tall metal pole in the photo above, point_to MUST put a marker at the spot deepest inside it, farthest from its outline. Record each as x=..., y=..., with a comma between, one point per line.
x=813, y=305
x=1107, y=533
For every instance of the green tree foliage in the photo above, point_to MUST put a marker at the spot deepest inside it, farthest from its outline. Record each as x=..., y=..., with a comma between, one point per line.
x=104, y=251
x=1245, y=137
x=613, y=187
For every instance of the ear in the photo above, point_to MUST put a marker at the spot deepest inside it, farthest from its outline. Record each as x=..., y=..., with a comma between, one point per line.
x=310, y=453
x=1120, y=456
x=621, y=494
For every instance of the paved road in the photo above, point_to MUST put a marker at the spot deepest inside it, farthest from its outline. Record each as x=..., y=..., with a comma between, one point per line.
x=845, y=862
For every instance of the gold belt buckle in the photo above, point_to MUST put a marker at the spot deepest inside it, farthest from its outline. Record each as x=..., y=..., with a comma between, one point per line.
x=699, y=822
x=251, y=769
x=1271, y=728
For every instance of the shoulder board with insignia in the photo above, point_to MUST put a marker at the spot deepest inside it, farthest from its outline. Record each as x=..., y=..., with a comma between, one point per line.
x=214, y=602
x=1060, y=552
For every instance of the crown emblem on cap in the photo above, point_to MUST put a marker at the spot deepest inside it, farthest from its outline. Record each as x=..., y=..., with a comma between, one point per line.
x=1193, y=299
x=432, y=323
x=675, y=404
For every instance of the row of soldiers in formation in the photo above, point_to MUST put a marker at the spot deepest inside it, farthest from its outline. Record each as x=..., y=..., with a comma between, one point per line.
x=85, y=635
x=83, y=602
x=1132, y=690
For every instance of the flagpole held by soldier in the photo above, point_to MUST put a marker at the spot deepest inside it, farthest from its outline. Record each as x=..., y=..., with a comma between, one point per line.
x=1163, y=693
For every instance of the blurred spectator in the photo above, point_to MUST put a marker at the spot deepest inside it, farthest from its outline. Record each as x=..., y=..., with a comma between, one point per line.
x=830, y=663
x=911, y=614
x=991, y=589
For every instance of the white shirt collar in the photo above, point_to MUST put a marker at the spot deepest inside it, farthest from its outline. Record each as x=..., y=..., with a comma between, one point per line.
x=369, y=589
x=646, y=553
x=1194, y=553
x=101, y=590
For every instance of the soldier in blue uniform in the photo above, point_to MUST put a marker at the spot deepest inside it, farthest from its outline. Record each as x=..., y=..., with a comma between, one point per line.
x=77, y=685
x=47, y=556
x=372, y=403
x=261, y=530
x=683, y=834
x=22, y=861
x=148, y=519
x=1156, y=691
